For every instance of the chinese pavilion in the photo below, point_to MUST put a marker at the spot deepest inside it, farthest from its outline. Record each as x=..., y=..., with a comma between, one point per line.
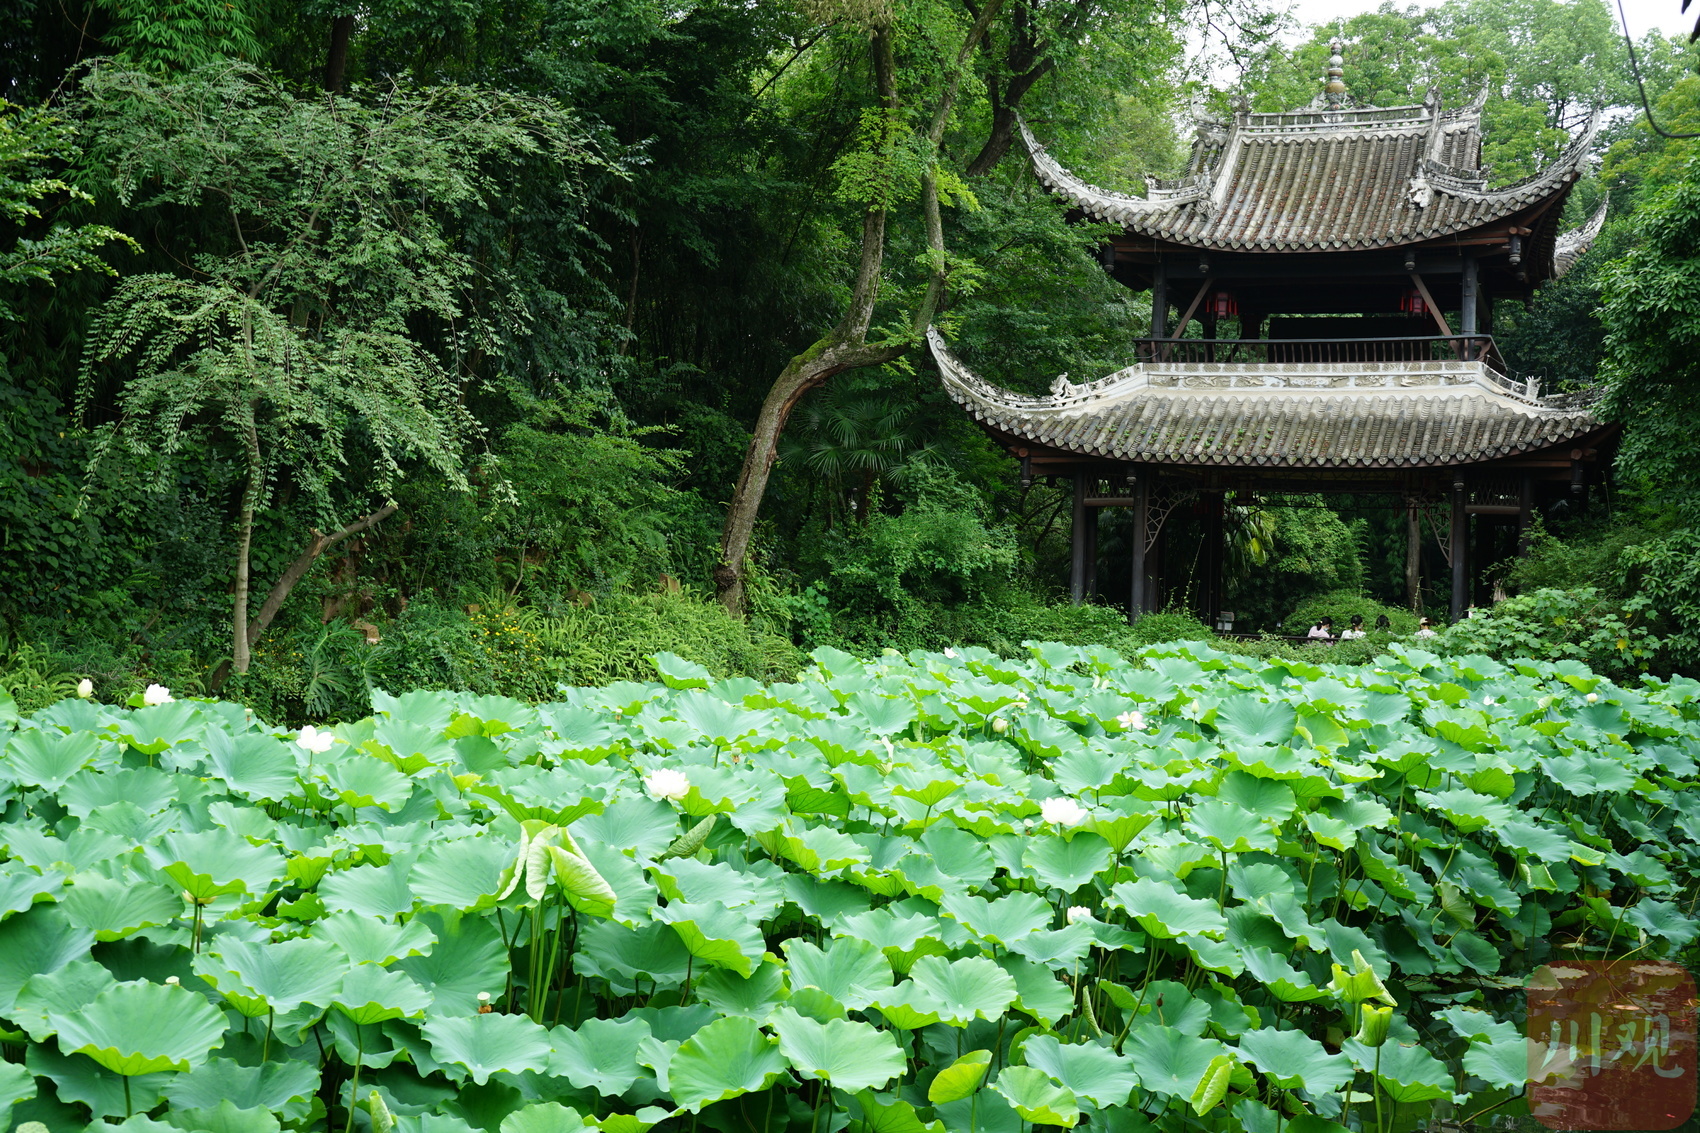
x=1360, y=253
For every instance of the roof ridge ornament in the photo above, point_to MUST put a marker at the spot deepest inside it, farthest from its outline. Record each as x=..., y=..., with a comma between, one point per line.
x=1336, y=88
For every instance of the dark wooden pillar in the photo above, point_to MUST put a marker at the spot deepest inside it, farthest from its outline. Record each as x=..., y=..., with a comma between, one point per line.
x=1092, y=552
x=1525, y=512
x=1460, y=549
x=1214, y=551
x=1159, y=302
x=1413, y=554
x=1077, y=541
x=1138, y=599
x=1472, y=293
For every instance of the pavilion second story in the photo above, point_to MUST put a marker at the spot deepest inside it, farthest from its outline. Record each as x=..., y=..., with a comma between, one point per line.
x=1322, y=285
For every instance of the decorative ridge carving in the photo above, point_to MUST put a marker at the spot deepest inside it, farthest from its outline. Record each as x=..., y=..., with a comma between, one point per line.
x=1571, y=245
x=1446, y=179
x=1103, y=203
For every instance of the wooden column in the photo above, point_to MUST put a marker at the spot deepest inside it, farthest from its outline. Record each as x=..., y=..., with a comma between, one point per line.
x=1159, y=302
x=1091, y=553
x=1413, y=554
x=1077, y=542
x=1472, y=294
x=1214, y=551
x=1525, y=512
x=1460, y=550
x=1137, y=598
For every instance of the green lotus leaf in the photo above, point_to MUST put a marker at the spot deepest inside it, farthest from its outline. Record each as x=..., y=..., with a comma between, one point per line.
x=960, y=1078
x=21, y=886
x=676, y=672
x=642, y=827
x=716, y=935
x=224, y=1117
x=600, y=1054
x=37, y=942
x=1664, y=920
x=1229, y=827
x=369, y=890
x=1169, y=1061
x=1164, y=913
x=369, y=994
x=358, y=780
x=149, y=789
x=78, y=1079
x=1036, y=1098
x=113, y=910
x=1467, y=810
x=63, y=992
x=1502, y=1065
x=462, y=873
x=16, y=1085
x=756, y=997
x=284, y=1088
x=854, y=972
x=142, y=1028
x=964, y=990
x=468, y=959
x=1067, y=863
x=1407, y=1073
x=1090, y=1071
x=1269, y=799
x=1283, y=981
x=850, y=1055
x=47, y=758
x=653, y=952
x=254, y=765
x=487, y=1044
x=544, y=1117
x=129, y=823
x=1038, y=992
x=727, y=1058
x=1245, y=721
x=634, y=895
x=1003, y=921
x=265, y=977
x=890, y=1117
x=209, y=863
x=369, y=941
x=1294, y=1059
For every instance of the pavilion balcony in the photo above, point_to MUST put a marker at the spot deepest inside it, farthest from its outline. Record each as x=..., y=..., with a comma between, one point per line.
x=1319, y=351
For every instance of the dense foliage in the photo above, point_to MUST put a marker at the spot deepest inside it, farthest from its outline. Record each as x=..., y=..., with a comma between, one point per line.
x=927, y=892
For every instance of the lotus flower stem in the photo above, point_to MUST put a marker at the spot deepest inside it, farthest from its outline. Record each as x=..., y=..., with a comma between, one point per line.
x=126, y=1078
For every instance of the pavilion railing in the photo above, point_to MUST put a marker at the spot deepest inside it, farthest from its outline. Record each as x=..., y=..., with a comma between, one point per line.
x=1467, y=347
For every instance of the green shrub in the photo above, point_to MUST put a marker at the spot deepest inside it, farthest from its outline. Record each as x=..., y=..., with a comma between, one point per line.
x=1169, y=625
x=1666, y=573
x=1551, y=625
x=1341, y=605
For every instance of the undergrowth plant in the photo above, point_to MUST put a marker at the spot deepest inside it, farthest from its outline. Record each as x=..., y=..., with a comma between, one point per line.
x=938, y=892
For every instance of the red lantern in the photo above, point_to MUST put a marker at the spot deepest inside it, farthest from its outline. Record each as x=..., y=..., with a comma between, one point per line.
x=1222, y=305
x=1411, y=302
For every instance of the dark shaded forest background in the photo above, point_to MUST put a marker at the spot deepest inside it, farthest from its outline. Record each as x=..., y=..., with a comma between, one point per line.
x=456, y=317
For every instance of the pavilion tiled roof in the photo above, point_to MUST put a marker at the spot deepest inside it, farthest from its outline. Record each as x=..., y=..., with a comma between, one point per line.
x=1317, y=179
x=1280, y=415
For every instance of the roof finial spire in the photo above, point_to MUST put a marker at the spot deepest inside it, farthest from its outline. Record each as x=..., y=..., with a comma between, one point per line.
x=1336, y=88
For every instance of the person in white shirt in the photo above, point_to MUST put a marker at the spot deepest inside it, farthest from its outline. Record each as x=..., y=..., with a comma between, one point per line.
x=1355, y=630
x=1425, y=629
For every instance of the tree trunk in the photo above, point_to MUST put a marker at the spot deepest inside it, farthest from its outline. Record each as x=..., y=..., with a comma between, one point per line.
x=336, y=59
x=248, y=632
x=240, y=636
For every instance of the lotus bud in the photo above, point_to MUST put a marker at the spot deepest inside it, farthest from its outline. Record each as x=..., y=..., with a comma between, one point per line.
x=157, y=694
x=1062, y=811
x=1544, y=702
x=952, y=654
x=1000, y=725
x=1592, y=697
x=1376, y=1023
x=85, y=688
x=1078, y=913
x=1488, y=700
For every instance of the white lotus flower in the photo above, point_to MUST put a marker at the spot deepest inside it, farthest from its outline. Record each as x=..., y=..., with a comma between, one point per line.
x=1062, y=812
x=1132, y=721
x=1078, y=913
x=665, y=783
x=1488, y=700
x=85, y=688
x=315, y=741
x=1592, y=697
x=1544, y=702
x=1000, y=725
x=952, y=654
x=157, y=694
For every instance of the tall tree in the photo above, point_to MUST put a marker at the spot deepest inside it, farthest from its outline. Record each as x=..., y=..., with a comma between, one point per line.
x=325, y=325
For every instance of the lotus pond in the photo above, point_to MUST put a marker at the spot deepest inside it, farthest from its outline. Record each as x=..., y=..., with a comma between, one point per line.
x=934, y=892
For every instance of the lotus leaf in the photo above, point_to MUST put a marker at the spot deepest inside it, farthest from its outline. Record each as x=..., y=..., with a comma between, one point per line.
x=141, y=1028
x=729, y=1057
